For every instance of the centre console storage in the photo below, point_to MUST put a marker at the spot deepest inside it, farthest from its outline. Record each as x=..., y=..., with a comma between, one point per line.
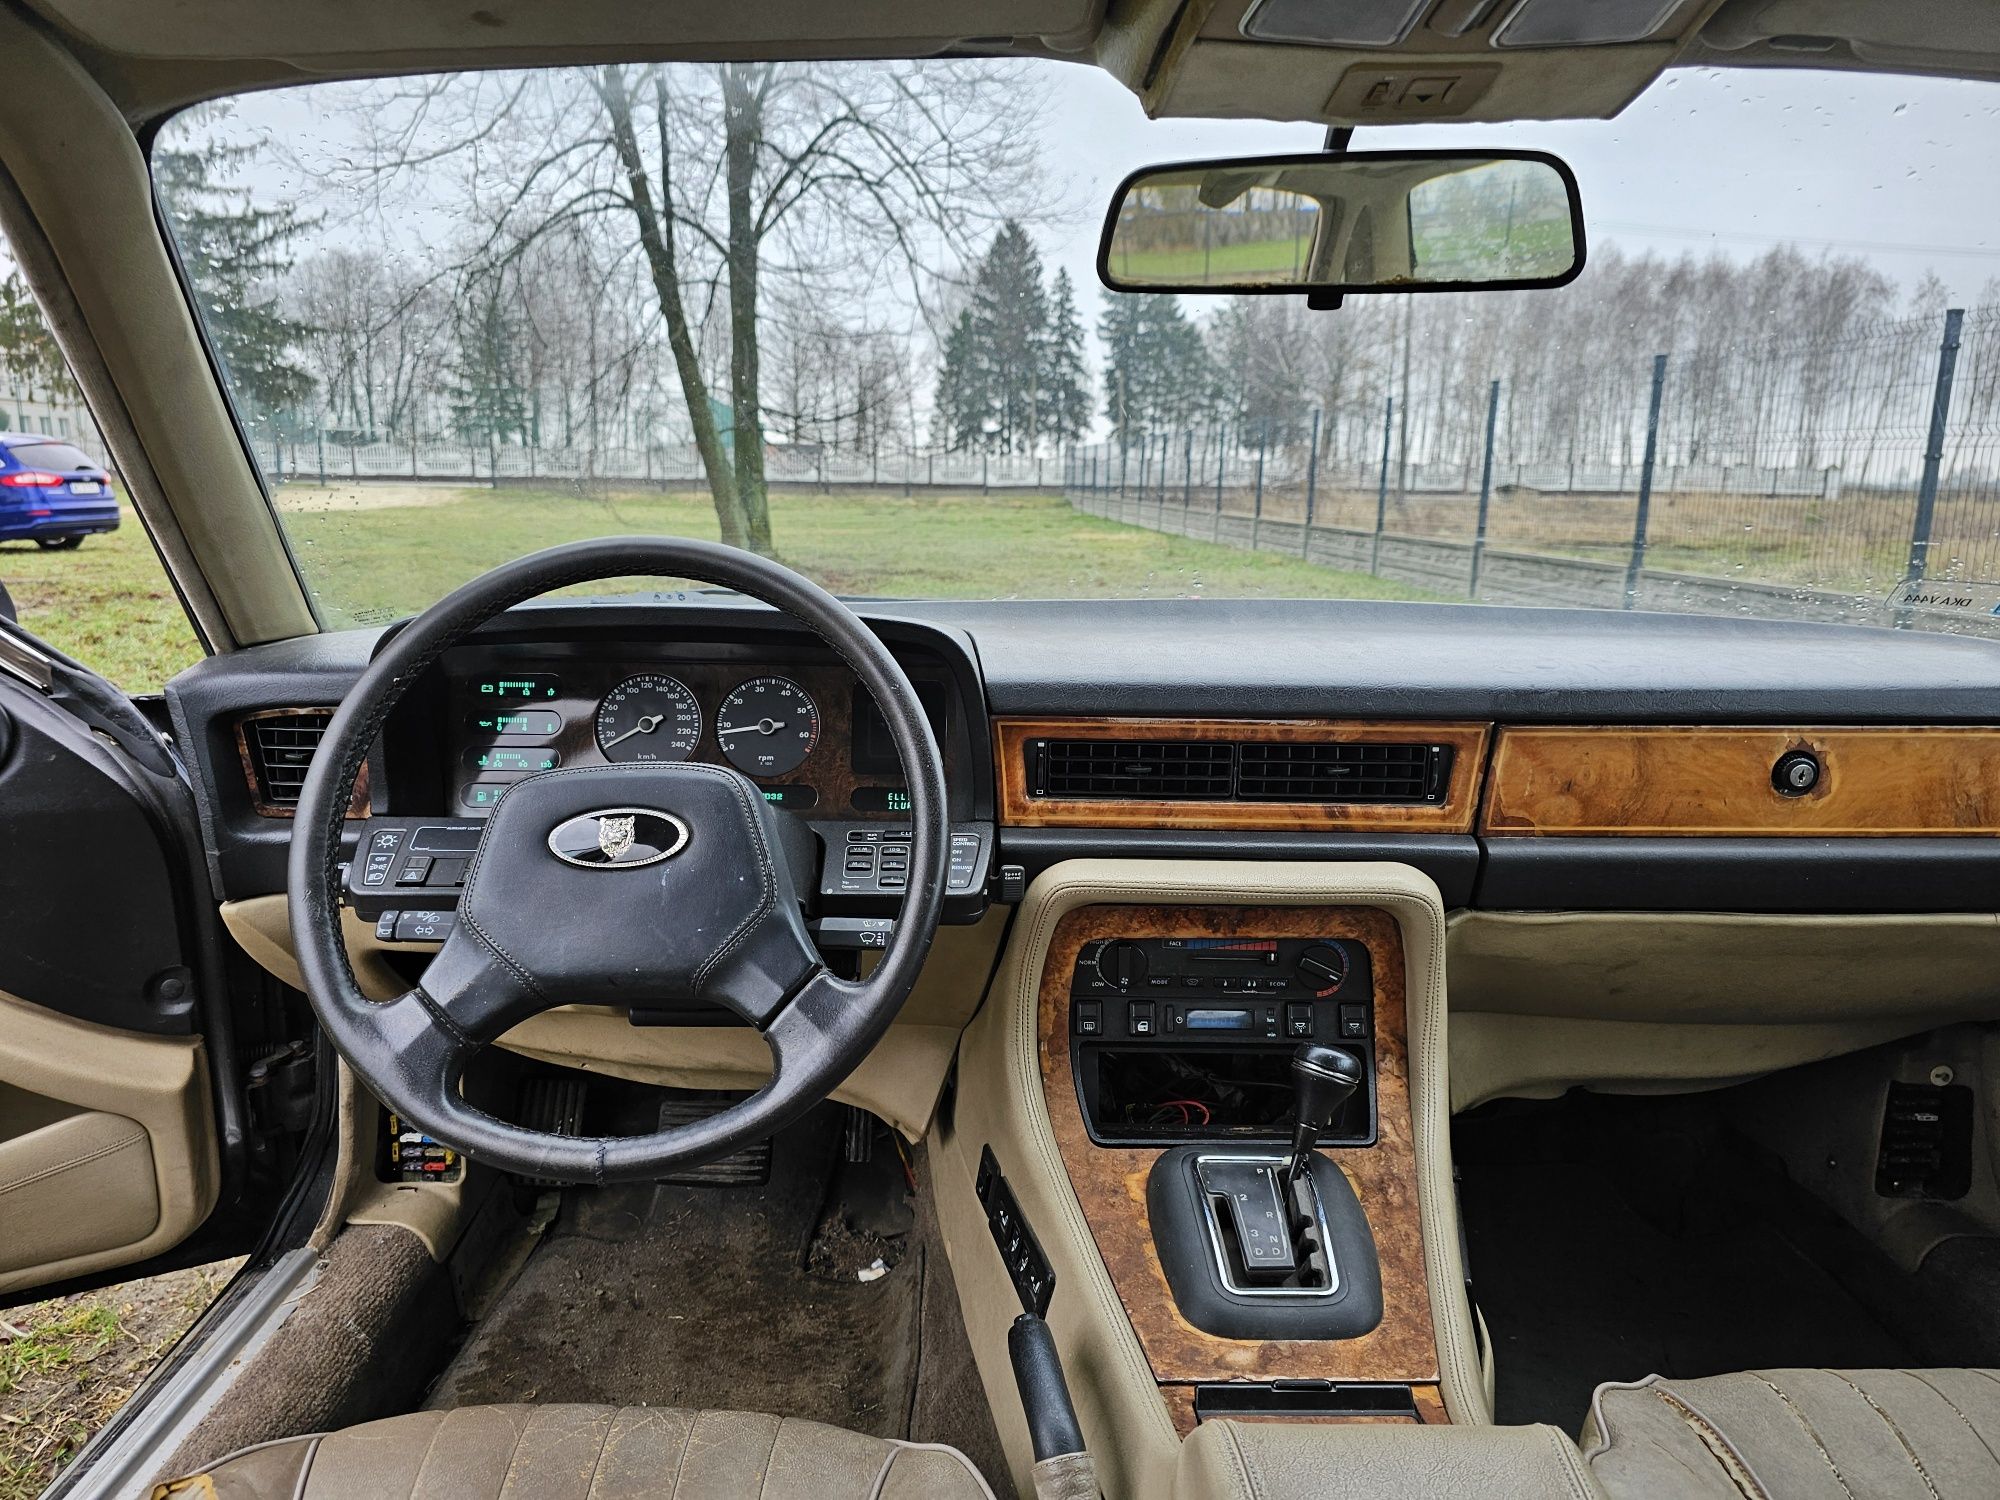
x=1191, y=1038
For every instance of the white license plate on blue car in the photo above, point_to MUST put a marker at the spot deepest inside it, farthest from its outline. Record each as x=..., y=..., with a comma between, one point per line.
x=85, y=487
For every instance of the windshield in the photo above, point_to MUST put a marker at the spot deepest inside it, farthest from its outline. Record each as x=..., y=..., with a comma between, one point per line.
x=848, y=315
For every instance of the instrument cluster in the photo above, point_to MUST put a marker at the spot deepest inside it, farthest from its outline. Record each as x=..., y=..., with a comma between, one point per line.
x=804, y=731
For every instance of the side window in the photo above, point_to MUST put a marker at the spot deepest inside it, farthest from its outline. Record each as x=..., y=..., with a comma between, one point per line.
x=80, y=570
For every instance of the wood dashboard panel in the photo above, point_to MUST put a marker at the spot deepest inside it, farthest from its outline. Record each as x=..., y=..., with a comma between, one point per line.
x=1110, y=1181
x=1454, y=814
x=1716, y=782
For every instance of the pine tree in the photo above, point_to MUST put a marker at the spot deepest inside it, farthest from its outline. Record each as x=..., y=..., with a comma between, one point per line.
x=487, y=401
x=1157, y=371
x=28, y=351
x=1065, y=377
x=236, y=255
x=992, y=393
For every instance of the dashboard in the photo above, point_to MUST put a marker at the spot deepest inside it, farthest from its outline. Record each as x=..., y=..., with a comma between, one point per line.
x=1563, y=760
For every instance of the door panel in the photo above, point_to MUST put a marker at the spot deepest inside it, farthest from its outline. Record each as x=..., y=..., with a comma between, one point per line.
x=112, y=1010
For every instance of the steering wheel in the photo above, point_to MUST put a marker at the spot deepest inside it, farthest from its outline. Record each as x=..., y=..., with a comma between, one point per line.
x=630, y=884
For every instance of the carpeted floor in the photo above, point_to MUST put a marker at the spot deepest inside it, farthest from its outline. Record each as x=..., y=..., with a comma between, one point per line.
x=1613, y=1238
x=740, y=1297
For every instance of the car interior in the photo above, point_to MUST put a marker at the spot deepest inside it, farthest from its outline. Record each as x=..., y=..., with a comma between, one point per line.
x=1133, y=1048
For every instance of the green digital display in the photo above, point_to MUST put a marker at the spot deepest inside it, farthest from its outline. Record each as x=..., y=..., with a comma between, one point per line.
x=792, y=798
x=882, y=799
x=537, y=723
x=520, y=687
x=513, y=758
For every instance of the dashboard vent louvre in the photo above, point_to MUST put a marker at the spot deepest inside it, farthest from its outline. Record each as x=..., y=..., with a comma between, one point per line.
x=280, y=748
x=1341, y=772
x=1238, y=771
x=1135, y=770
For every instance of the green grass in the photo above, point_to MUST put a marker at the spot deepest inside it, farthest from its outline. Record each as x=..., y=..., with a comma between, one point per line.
x=108, y=604
x=373, y=564
x=1192, y=265
x=67, y=1364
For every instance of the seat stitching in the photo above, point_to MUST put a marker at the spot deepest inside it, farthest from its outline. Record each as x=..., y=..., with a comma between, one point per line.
x=74, y=1162
x=1733, y=1465
x=1955, y=1411
x=305, y=1469
x=1570, y=1462
x=1250, y=1485
x=590, y=1484
x=764, y=1479
x=514, y=1453
x=681, y=1463
x=417, y=1483
x=882, y=1475
x=1889, y=1421
x=1807, y=1427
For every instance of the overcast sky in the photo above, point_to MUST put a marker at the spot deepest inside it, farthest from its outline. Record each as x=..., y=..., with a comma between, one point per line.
x=1905, y=171
x=1902, y=171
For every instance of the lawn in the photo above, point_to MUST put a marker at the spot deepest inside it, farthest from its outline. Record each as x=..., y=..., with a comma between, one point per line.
x=371, y=562
x=374, y=552
x=67, y=1364
x=1195, y=265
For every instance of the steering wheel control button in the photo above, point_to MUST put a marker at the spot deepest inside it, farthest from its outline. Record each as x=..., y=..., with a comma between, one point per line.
x=618, y=838
x=1796, y=773
x=424, y=926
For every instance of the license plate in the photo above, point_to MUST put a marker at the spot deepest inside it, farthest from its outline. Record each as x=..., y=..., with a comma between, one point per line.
x=85, y=487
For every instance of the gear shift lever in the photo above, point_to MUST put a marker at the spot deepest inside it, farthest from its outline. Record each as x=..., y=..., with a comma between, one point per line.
x=1323, y=1079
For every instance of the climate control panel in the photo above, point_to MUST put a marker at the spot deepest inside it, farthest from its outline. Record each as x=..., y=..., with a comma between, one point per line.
x=1191, y=1038
x=1198, y=989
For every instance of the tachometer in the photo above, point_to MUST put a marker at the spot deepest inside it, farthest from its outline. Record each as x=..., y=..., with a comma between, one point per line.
x=768, y=726
x=648, y=717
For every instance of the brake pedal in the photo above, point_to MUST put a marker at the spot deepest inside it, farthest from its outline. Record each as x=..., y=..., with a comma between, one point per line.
x=750, y=1167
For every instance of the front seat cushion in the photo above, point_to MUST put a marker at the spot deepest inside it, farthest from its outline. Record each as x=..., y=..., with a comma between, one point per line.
x=586, y=1453
x=1799, y=1435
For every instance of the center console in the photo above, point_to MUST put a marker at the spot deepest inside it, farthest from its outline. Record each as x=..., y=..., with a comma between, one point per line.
x=1229, y=1090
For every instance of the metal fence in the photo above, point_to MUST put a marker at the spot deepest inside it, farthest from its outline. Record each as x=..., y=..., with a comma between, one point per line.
x=1845, y=465
x=325, y=459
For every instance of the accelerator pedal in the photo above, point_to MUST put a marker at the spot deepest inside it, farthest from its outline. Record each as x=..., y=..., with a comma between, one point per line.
x=750, y=1167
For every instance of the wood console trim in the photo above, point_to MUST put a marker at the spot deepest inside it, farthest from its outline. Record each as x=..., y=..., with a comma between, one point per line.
x=1455, y=814
x=1110, y=1182
x=1617, y=780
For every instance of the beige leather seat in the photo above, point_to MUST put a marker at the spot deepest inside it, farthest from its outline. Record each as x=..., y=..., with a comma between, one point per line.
x=586, y=1453
x=1799, y=1435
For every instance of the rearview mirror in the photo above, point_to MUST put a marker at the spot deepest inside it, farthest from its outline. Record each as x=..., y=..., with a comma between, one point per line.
x=1367, y=221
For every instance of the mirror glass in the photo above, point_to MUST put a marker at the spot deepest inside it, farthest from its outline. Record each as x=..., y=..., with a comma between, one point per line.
x=1367, y=221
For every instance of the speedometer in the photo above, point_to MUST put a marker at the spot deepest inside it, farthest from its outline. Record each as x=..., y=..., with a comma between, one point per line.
x=768, y=726
x=648, y=717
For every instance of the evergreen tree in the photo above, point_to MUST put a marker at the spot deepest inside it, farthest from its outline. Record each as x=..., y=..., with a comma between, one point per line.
x=994, y=391
x=236, y=254
x=1157, y=371
x=28, y=351
x=1065, y=376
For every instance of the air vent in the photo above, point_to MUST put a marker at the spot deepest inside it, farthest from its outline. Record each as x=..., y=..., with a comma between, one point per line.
x=1341, y=772
x=1137, y=770
x=277, y=749
x=1239, y=771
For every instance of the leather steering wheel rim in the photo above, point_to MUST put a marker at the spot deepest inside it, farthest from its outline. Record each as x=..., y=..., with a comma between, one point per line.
x=412, y=1051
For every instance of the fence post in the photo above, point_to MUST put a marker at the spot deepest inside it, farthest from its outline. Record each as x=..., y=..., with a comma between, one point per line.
x=1382, y=485
x=1485, y=490
x=1638, y=562
x=1312, y=485
x=1257, y=500
x=1221, y=462
x=1920, y=530
x=353, y=463
x=1187, y=474
x=985, y=473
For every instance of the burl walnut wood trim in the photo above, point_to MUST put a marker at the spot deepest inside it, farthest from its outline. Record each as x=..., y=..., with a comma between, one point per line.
x=1110, y=1181
x=1716, y=782
x=1455, y=814
x=357, y=804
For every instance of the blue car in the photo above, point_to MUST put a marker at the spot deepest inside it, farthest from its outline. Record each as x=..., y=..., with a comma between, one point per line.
x=51, y=492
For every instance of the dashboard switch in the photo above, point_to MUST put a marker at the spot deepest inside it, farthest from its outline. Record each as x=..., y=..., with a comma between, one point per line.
x=1087, y=1016
x=1141, y=1019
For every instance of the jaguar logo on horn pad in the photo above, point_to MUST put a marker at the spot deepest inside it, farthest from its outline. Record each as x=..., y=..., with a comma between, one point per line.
x=618, y=838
